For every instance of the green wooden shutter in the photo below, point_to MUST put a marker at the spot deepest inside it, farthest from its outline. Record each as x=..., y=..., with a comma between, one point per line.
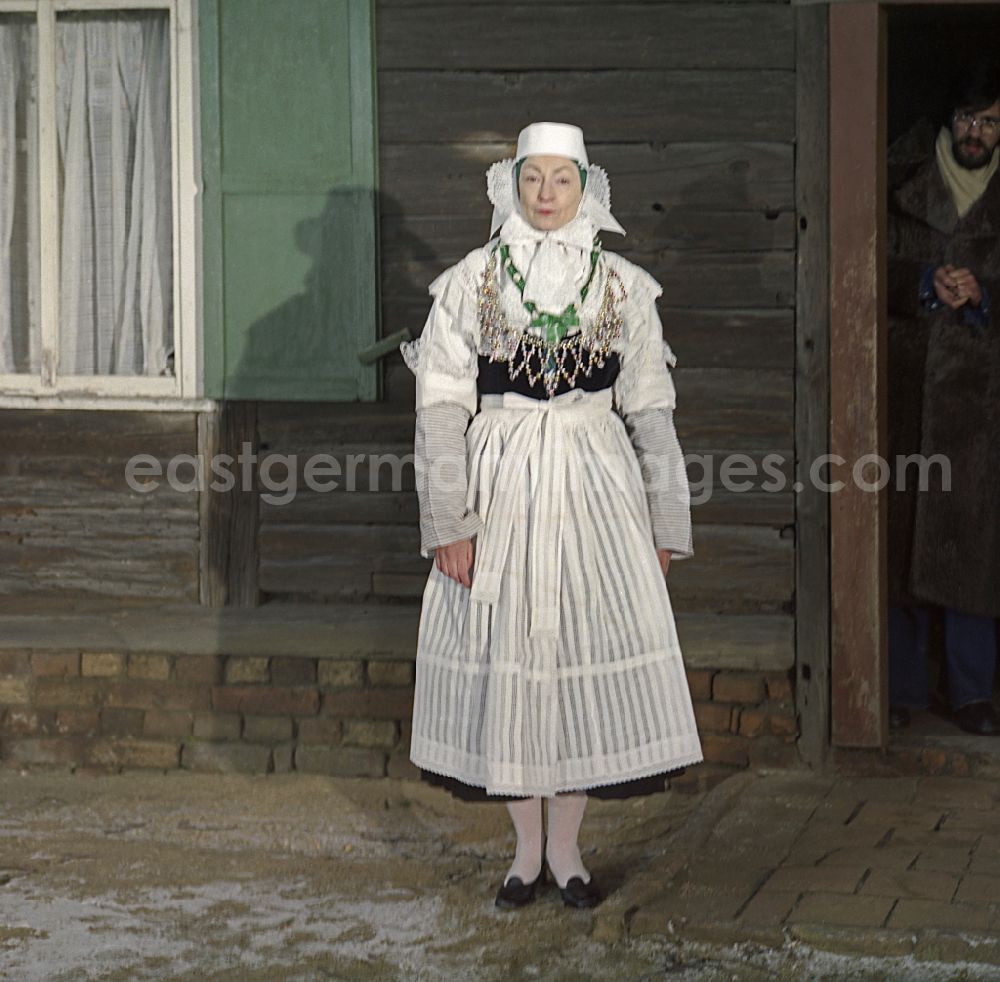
x=289, y=236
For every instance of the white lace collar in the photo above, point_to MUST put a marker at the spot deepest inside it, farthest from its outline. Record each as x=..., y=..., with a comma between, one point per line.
x=555, y=265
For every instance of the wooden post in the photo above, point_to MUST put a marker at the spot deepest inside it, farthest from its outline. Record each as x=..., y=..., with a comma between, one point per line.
x=857, y=372
x=229, y=519
x=812, y=383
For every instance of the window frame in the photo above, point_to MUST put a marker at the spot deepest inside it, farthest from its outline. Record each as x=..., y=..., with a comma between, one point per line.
x=46, y=388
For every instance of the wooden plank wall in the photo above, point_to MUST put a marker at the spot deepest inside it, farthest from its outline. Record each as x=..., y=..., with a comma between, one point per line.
x=71, y=529
x=340, y=544
x=689, y=106
x=691, y=109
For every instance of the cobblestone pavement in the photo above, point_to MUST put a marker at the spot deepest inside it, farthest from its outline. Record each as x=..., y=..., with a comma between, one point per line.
x=769, y=876
x=906, y=867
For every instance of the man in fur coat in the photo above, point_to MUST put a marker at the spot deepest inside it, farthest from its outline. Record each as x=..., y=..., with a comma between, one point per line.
x=944, y=401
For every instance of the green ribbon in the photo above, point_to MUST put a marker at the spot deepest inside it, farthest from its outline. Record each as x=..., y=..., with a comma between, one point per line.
x=556, y=326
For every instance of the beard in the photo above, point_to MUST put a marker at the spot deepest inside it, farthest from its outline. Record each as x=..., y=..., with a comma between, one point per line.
x=971, y=153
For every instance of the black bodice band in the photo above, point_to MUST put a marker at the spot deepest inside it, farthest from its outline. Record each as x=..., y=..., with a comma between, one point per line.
x=494, y=378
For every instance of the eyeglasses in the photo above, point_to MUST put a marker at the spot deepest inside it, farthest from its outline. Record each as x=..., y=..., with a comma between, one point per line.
x=987, y=125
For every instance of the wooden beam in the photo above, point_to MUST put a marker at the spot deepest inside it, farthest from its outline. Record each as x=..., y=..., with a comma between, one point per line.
x=393, y=4
x=696, y=35
x=620, y=105
x=211, y=577
x=895, y=3
x=703, y=228
x=812, y=385
x=857, y=370
x=740, y=569
x=229, y=519
x=649, y=177
x=697, y=280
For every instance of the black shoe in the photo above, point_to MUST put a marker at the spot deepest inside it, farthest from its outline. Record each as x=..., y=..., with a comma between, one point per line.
x=979, y=718
x=516, y=893
x=899, y=717
x=576, y=893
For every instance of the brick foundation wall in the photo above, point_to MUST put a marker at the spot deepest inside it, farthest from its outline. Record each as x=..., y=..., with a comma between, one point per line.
x=116, y=711
x=745, y=719
x=346, y=718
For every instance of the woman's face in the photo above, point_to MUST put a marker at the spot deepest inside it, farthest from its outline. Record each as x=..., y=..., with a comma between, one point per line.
x=550, y=191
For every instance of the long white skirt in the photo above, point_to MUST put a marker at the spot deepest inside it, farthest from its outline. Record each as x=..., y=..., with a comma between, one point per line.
x=560, y=670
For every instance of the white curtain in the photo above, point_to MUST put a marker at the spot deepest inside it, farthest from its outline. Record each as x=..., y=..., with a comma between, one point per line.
x=19, y=329
x=116, y=286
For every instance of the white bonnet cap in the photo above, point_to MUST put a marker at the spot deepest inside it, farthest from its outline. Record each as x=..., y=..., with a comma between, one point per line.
x=552, y=139
x=556, y=140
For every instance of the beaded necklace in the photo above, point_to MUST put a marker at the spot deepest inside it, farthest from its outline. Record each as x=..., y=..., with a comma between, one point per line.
x=556, y=326
x=540, y=359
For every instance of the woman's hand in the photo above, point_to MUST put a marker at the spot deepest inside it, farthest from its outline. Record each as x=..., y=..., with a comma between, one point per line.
x=664, y=557
x=455, y=561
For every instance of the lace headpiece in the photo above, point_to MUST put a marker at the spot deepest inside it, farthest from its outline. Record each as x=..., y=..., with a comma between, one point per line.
x=558, y=140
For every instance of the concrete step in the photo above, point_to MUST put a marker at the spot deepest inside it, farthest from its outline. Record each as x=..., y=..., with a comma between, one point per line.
x=338, y=631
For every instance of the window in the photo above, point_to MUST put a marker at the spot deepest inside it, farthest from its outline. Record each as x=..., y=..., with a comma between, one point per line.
x=97, y=200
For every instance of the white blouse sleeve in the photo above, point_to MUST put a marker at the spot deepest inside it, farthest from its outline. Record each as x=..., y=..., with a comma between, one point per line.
x=645, y=398
x=445, y=361
x=644, y=381
x=445, y=358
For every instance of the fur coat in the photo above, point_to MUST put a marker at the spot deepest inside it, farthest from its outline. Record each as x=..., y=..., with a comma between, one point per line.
x=944, y=390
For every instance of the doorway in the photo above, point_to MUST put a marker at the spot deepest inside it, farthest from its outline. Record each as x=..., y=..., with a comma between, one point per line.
x=887, y=62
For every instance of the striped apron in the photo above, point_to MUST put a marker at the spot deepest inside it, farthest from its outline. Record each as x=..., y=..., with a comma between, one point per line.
x=560, y=669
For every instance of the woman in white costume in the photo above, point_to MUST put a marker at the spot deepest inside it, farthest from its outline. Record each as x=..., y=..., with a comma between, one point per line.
x=547, y=663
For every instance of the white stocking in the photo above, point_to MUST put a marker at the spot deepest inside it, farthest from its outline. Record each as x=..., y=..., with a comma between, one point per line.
x=562, y=850
x=527, y=818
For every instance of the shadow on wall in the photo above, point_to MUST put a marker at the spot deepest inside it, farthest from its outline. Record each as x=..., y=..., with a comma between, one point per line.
x=281, y=397
x=299, y=302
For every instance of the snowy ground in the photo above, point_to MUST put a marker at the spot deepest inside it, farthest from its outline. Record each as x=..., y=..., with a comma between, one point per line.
x=196, y=877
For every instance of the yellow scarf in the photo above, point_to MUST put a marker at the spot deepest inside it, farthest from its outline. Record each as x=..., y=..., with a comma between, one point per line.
x=966, y=186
